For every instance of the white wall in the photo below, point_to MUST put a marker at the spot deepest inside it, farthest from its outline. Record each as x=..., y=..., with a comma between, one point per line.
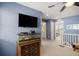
x=52, y=30
x=43, y=30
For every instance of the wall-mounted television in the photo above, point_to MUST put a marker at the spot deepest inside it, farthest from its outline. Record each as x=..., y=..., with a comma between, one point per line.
x=27, y=21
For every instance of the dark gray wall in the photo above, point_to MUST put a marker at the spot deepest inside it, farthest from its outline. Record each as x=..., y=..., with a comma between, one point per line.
x=71, y=20
x=9, y=25
x=48, y=29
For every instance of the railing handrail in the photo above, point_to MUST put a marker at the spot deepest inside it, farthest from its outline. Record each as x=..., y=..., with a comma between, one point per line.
x=69, y=34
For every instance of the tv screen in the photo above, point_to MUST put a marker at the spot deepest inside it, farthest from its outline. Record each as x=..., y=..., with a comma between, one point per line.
x=27, y=21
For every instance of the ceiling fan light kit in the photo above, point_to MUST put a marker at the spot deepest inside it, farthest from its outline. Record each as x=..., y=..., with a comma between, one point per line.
x=68, y=4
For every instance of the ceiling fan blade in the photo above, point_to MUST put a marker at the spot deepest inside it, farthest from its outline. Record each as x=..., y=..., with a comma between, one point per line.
x=56, y=4
x=51, y=6
x=76, y=3
x=62, y=8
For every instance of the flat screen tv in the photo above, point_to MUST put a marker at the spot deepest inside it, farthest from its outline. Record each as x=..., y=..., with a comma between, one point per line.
x=27, y=21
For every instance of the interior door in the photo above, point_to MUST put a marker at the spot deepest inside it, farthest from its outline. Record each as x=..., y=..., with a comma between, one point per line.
x=59, y=31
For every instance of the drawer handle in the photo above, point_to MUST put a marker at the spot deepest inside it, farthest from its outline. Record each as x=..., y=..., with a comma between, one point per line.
x=26, y=51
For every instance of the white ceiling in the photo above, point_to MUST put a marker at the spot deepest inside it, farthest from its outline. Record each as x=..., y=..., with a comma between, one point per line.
x=53, y=12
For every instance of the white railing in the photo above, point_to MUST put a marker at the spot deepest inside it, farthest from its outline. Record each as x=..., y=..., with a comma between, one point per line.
x=69, y=39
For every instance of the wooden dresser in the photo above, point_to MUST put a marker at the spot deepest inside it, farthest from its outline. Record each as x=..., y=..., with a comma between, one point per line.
x=29, y=47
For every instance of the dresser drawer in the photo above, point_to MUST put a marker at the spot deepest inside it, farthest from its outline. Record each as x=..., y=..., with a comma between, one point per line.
x=25, y=47
x=24, y=50
x=29, y=48
x=24, y=53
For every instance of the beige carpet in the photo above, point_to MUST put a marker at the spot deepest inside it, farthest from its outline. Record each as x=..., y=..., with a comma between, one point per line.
x=52, y=48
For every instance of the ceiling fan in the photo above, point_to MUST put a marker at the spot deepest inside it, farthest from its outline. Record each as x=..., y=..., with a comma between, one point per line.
x=66, y=4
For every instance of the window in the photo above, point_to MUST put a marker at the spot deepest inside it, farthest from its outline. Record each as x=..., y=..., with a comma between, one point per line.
x=72, y=27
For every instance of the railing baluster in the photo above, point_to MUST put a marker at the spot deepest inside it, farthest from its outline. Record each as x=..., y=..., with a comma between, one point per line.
x=75, y=38
x=66, y=39
x=70, y=38
x=78, y=38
